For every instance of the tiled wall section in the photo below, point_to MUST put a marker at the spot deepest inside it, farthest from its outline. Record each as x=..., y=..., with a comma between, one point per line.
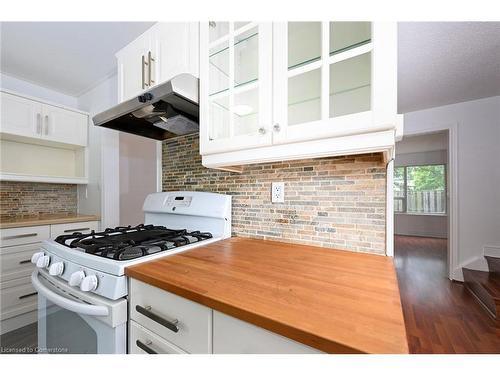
x=331, y=202
x=32, y=198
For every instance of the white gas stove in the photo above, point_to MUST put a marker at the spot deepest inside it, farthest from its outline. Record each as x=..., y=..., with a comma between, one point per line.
x=80, y=276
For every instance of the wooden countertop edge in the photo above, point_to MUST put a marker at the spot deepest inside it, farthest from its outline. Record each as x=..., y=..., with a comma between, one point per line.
x=33, y=222
x=304, y=337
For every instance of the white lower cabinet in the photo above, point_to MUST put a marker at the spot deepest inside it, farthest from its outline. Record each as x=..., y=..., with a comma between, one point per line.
x=234, y=336
x=184, y=323
x=143, y=341
x=162, y=322
x=84, y=226
x=18, y=298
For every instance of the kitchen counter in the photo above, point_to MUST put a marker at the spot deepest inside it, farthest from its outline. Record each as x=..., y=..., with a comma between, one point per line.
x=48, y=219
x=332, y=300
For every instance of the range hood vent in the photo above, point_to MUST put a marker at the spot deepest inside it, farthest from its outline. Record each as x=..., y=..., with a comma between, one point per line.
x=166, y=111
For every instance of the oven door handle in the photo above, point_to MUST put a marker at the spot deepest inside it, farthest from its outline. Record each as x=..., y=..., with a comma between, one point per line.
x=66, y=303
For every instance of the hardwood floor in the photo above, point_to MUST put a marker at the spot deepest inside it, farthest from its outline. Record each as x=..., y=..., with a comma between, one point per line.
x=440, y=315
x=20, y=341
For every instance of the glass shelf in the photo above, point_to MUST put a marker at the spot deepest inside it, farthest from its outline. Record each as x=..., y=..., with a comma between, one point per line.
x=350, y=86
x=304, y=43
x=348, y=35
x=304, y=102
x=218, y=70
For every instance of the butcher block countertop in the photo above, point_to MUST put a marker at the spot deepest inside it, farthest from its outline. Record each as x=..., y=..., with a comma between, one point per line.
x=31, y=221
x=335, y=301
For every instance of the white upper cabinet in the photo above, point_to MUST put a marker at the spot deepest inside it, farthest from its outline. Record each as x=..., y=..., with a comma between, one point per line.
x=235, y=85
x=163, y=51
x=42, y=142
x=294, y=83
x=26, y=117
x=20, y=116
x=61, y=125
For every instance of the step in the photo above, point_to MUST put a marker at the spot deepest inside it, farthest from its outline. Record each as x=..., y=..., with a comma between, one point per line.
x=485, y=286
x=493, y=264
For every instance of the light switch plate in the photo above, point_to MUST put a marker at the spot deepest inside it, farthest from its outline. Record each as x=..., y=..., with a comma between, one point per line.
x=278, y=192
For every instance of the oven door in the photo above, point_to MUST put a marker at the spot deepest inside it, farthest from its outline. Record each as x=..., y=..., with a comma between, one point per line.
x=70, y=321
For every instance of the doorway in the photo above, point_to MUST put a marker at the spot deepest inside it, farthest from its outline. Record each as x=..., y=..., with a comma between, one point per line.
x=421, y=203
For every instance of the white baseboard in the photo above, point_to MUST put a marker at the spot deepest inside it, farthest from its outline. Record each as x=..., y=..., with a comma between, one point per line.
x=492, y=250
x=478, y=263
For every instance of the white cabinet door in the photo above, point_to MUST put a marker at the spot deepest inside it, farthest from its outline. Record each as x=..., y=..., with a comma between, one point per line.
x=177, y=50
x=64, y=126
x=235, y=86
x=20, y=116
x=251, y=339
x=322, y=77
x=132, y=69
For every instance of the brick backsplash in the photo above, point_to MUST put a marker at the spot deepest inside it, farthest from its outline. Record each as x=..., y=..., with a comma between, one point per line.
x=336, y=202
x=18, y=199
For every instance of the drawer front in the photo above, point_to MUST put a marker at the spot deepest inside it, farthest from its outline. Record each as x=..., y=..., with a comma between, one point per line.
x=143, y=341
x=194, y=320
x=84, y=226
x=17, y=300
x=251, y=339
x=15, y=261
x=22, y=236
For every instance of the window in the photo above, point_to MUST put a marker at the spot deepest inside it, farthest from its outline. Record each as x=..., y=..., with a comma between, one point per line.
x=420, y=189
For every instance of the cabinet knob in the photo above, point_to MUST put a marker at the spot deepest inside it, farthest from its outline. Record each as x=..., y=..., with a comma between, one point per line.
x=277, y=127
x=262, y=131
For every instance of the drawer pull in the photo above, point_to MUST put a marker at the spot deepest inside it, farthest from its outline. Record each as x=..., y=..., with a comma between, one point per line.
x=28, y=295
x=146, y=311
x=75, y=230
x=25, y=261
x=20, y=236
x=145, y=347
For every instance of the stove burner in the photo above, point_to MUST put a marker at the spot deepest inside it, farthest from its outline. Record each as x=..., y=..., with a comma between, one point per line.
x=126, y=243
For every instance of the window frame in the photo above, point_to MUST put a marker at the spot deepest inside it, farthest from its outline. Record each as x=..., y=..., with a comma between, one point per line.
x=405, y=185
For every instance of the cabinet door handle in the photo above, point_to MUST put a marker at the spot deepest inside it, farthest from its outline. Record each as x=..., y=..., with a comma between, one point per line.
x=145, y=347
x=146, y=311
x=143, y=65
x=75, y=230
x=27, y=295
x=46, y=124
x=19, y=236
x=25, y=261
x=38, y=123
x=150, y=68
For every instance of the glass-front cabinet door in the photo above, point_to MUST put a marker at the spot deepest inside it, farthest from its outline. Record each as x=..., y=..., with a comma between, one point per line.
x=323, y=79
x=235, y=85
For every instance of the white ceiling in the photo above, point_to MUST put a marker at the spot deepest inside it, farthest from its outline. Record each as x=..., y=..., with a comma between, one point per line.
x=439, y=63
x=442, y=63
x=69, y=57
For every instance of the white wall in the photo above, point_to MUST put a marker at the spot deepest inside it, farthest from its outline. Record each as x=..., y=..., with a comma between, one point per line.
x=478, y=164
x=422, y=150
x=101, y=195
x=31, y=89
x=137, y=176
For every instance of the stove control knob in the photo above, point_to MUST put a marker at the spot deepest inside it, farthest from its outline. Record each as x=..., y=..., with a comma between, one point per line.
x=56, y=269
x=89, y=283
x=76, y=278
x=36, y=256
x=43, y=261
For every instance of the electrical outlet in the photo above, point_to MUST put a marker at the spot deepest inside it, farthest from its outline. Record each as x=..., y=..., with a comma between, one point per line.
x=278, y=192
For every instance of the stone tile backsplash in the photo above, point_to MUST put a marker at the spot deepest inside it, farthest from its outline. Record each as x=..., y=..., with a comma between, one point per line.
x=24, y=199
x=336, y=202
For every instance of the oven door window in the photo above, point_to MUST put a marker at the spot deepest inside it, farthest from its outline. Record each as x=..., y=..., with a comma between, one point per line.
x=63, y=331
x=68, y=332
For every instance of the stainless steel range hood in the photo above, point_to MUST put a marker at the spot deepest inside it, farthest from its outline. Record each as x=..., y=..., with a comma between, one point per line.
x=166, y=111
